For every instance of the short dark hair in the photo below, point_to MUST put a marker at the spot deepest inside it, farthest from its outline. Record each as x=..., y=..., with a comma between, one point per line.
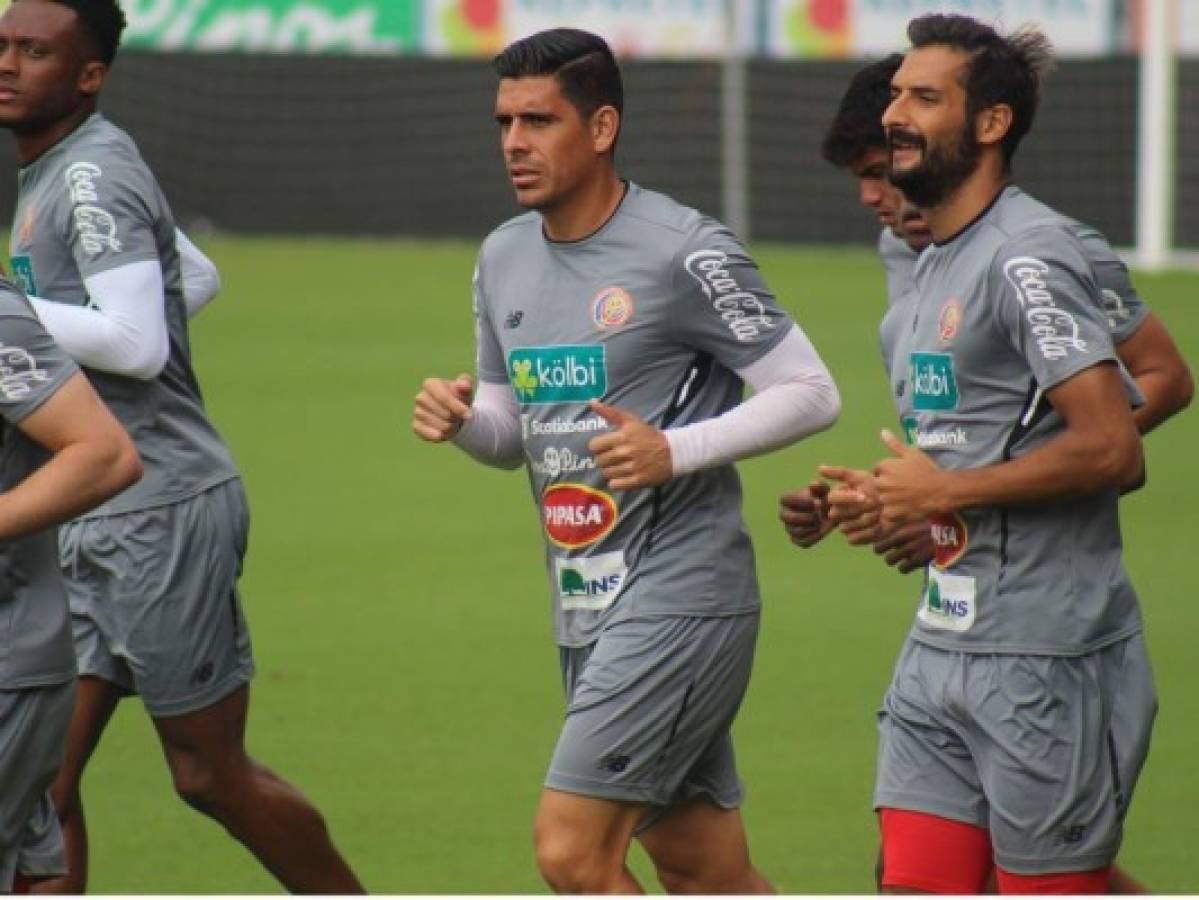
x=858, y=125
x=581, y=61
x=1001, y=69
x=102, y=22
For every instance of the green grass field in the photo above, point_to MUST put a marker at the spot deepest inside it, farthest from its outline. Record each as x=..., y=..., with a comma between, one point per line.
x=407, y=677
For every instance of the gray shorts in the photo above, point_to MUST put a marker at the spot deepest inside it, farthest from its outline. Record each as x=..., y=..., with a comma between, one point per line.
x=1042, y=751
x=154, y=602
x=33, y=735
x=649, y=708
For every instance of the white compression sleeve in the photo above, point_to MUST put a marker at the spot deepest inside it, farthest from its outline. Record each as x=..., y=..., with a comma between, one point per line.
x=794, y=397
x=123, y=331
x=201, y=280
x=492, y=433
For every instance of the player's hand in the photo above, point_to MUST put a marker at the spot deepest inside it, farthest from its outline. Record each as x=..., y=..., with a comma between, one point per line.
x=441, y=407
x=907, y=483
x=635, y=455
x=805, y=514
x=853, y=504
x=908, y=547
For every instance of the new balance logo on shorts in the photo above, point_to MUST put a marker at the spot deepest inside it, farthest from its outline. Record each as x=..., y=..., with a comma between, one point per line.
x=613, y=762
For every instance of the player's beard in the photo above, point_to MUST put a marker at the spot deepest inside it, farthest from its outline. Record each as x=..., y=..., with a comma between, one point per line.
x=942, y=168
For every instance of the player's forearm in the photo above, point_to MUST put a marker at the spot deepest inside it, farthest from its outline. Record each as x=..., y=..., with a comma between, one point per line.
x=492, y=434
x=795, y=397
x=1166, y=392
x=76, y=479
x=201, y=278
x=1068, y=466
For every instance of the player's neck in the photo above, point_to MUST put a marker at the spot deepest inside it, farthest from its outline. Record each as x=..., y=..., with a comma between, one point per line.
x=968, y=202
x=33, y=143
x=586, y=211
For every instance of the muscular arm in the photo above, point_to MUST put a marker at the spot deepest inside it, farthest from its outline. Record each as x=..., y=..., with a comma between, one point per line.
x=1098, y=449
x=1153, y=360
x=93, y=460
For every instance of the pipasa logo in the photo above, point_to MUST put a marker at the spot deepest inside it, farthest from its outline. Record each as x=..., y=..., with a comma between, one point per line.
x=933, y=384
x=950, y=539
x=590, y=582
x=566, y=374
x=576, y=515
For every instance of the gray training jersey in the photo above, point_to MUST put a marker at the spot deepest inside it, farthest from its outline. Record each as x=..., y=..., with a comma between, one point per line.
x=35, y=627
x=1122, y=305
x=87, y=205
x=1006, y=311
x=651, y=314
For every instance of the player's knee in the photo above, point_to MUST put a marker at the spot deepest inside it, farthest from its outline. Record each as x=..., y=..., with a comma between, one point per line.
x=571, y=866
x=203, y=787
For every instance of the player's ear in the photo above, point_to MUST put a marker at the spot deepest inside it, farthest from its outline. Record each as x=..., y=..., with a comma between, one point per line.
x=993, y=123
x=605, y=126
x=91, y=78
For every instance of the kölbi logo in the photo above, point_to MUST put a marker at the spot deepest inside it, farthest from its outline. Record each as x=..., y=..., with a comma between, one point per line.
x=934, y=387
x=743, y=313
x=566, y=374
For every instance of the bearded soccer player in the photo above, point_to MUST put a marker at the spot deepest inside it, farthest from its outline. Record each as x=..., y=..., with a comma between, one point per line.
x=1021, y=707
x=61, y=453
x=857, y=143
x=151, y=574
x=615, y=329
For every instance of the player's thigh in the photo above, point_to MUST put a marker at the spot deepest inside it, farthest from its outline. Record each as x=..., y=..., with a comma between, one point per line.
x=33, y=727
x=648, y=704
x=1057, y=760
x=698, y=840
x=171, y=578
x=924, y=761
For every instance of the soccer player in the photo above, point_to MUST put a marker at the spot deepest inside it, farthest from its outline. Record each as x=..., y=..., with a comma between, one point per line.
x=151, y=574
x=615, y=329
x=61, y=453
x=1021, y=707
x=856, y=142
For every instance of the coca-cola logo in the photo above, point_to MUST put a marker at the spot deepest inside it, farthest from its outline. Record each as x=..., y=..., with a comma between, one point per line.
x=743, y=313
x=1055, y=330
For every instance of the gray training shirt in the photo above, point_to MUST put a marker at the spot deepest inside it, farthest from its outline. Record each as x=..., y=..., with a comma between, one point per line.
x=35, y=627
x=87, y=205
x=651, y=314
x=1006, y=311
x=1122, y=305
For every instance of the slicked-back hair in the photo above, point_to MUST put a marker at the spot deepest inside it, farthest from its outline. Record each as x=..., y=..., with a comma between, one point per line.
x=858, y=125
x=1000, y=69
x=581, y=61
x=102, y=22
